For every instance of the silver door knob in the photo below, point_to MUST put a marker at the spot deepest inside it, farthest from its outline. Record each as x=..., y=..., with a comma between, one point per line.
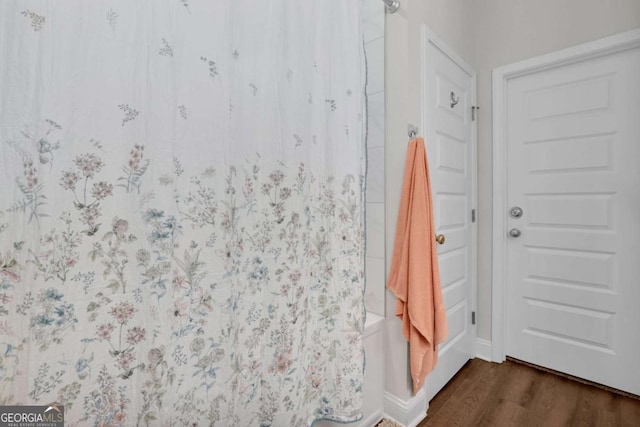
x=514, y=232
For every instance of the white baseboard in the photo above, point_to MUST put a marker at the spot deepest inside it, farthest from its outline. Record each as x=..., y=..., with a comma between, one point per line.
x=408, y=413
x=483, y=349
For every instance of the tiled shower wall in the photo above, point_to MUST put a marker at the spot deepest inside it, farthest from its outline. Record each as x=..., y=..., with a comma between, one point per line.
x=373, y=12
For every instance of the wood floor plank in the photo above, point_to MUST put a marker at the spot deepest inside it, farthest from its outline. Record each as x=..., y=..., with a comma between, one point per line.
x=435, y=406
x=628, y=412
x=472, y=373
x=520, y=384
x=544, y=400
x=509, y=414
x=469, y=405
x=458, y=381
x=562, y=409
x=593, y=408
x=512, y=394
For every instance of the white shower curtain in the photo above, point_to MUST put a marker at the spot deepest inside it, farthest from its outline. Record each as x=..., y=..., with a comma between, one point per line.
x=181, y=226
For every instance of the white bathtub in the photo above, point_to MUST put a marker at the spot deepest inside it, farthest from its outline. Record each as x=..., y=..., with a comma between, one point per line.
x=373, y=390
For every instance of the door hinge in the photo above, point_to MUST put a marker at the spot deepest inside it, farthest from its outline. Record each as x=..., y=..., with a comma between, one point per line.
x=473, y=215
x=474, y=109
x=473, y=317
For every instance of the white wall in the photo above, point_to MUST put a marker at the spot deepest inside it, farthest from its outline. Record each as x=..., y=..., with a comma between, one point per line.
x=486, y=34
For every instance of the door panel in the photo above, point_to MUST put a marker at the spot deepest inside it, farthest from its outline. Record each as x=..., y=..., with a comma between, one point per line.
x=448, y=138
x=573, y=275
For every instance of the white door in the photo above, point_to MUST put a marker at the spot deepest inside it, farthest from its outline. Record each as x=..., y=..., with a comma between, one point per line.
x=450, y=137
x=573, y=167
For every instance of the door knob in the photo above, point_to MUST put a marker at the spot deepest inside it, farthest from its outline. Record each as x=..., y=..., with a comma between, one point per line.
x=440, y=239
x=514, y=232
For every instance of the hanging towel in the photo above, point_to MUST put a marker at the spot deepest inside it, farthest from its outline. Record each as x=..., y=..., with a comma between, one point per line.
x=415, y=278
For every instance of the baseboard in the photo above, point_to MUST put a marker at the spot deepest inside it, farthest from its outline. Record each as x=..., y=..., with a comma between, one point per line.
x=408, y=413
x=483, y=349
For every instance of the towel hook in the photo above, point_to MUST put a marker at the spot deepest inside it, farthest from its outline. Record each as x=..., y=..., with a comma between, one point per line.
x=412, y=130
x=454, y=99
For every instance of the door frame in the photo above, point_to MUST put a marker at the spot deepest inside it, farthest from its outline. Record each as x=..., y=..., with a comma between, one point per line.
x=429, y=37
x=501, y=76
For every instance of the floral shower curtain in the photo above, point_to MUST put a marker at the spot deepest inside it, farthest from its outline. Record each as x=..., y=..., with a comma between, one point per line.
x=181, y=228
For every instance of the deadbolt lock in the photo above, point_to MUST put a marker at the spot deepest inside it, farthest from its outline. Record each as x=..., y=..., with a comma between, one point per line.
x=515, y=212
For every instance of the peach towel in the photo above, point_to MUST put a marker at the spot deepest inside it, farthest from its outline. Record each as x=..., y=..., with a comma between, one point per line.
x=415, y=278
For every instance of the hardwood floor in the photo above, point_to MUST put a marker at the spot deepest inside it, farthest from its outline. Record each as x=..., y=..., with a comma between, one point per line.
x=512, y=394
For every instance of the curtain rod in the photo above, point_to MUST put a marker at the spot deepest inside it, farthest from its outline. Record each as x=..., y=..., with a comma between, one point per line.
x=392, y=5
